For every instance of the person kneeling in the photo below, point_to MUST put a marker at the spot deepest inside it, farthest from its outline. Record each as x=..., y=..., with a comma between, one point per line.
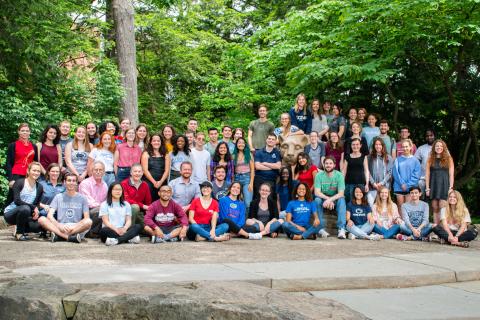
x=203, y=215
x=116, y=215
x=165, y=219
x=299, y=212
x=232, y=212
x=360, y=222
x=73, y=217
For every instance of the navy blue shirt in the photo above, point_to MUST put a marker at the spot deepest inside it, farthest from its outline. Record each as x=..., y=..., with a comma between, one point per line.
x=271, y=157
x=358, y=213
x=301, y=119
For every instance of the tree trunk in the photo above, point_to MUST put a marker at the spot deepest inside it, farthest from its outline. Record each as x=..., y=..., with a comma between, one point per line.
x=123, y=13
x=110, y=32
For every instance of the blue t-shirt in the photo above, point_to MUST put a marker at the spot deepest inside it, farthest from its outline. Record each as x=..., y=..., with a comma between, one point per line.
x=271, y=157
x=233, y=210
x=301, y=211
x=358, y=213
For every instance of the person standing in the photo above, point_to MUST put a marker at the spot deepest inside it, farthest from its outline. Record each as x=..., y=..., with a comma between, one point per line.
x=380, y=165
x=422, y=154
x=244, y=169
x=404, y=135
x=319, y=120
x=76, y=153
x=156, y=165
x=65, y=128
x=126, y=154
x=227, y=133
x=49, y=147
x=259, y=129
x=267, y=164
x=103, y=152
x=316, y=149
x=300, y=115
x=200, y=160
x=406, y=171
x=390, y=145
x=211, y=146
x=19, y=155
x=355, y=170
x=439, y=177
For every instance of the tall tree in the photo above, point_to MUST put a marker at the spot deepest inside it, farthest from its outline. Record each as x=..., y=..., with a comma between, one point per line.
x=123, y=16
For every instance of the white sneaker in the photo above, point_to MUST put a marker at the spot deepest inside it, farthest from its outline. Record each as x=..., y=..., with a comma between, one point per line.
x=341, y=234
x=111, y=241
x=351, y=236
x=323, y=234
x=374, y=237
x=135, y=240
x=156, y=239
x=255, y=236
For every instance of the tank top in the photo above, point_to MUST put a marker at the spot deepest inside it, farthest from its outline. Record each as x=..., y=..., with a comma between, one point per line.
x=156, y=167
x=263, y=215
x=355, y=171
x=79, y=160
x=242, y=167
x=24, y=155
x=48, y=155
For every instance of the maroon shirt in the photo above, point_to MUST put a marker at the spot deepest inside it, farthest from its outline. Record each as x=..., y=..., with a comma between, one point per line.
x=169, y=216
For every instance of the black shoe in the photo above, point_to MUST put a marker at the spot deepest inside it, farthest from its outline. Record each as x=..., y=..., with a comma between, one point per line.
x=43, y=235
x=56, y=238
x=75, y=238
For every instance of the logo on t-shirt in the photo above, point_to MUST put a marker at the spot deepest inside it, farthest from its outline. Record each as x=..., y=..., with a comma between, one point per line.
x=233, y=205
x=274, y=156
x=70, y=213
x=164, y=217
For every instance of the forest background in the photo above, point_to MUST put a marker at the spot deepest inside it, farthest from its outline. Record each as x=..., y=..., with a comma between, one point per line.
x=414, y=62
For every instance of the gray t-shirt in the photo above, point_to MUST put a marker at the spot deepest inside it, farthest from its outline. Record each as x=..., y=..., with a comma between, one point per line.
x=219, y=192
x=69, y=209
x=260, y=131
x=200, y=161
x=316, y=154
x=415, y=214
x=422, y=154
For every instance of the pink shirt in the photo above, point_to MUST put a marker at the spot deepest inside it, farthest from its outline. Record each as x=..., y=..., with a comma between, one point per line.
x=95, y=192
x=127, y=156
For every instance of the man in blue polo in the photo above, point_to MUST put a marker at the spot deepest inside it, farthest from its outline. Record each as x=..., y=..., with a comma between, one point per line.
x=267, y=165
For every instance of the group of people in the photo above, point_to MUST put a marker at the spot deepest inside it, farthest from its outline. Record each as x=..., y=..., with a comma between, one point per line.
x=118, y=182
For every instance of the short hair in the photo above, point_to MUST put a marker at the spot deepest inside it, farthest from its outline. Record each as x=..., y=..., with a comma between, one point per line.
x=212, y=129
x=135, y=165
x=383, y=121
x=415, y=188
x=192, y=119
x=70, y=174
x=186, y=163
x=200, y=133
x=227, y=126
x=272, y=135
x=431, y=130
x=329, y=158
x=98, y=162
x=23, y=125
x=218, y=168
x=404, y=128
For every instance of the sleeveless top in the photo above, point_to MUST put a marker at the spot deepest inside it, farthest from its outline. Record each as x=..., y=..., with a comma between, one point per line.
x=439, y=181
x=79, y=160
x=48, y=155
x=242, y=167
x=156, y=167
x=355, y=170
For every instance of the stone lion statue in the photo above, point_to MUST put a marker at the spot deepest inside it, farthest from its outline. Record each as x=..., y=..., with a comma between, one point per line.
x=290, y=147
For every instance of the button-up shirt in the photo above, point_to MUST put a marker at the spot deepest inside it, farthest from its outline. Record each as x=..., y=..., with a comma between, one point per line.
x=184, y=192
x=95, y=192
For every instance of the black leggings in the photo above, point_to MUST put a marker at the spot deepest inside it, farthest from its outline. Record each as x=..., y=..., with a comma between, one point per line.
x=132, y=232
x=21, y=216
x=234, y=228
x=467, y=235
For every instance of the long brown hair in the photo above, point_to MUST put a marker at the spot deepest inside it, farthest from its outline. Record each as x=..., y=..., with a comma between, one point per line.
x=296, y=103
x=383, y=153
x=86, y=143
x=339, y=144
x=444, y=156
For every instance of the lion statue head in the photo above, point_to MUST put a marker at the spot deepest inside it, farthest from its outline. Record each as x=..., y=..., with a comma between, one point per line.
x=290, y=147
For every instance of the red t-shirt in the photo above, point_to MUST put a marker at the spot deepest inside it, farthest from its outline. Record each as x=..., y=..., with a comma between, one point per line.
x=202, y=215
x=307, y=176
x=24, y=155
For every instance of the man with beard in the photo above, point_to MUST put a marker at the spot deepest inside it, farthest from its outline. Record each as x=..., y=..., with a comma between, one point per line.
x=329, y=191
x=422, y=155
x=390, y=144
x=184, y=190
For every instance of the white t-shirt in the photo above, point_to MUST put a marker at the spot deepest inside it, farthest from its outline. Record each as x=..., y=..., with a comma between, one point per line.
x=452, y=224
x=104, y=156
x=200, y=160
x=116, y=213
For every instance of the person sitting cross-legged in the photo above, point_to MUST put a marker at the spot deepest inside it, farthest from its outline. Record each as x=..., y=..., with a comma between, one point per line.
x=415, y=212
x=116, y=215
x=203, y=216
x=72, y=221
x=299, y=212
x=263, y=212
x=165, y=219
x=360, y=221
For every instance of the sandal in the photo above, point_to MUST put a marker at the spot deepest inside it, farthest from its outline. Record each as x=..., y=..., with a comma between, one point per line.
x=273, y=234
x=464, y=244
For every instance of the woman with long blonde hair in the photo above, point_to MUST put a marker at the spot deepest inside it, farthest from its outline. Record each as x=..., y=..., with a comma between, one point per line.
x=286, y=127
x=300, y=115
x=385, y=214
x=455, y=220
x=76, y=153
x=439, y=177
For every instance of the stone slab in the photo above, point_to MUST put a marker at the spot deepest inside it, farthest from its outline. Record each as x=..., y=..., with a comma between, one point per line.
x=465, y=263
x=458, y=301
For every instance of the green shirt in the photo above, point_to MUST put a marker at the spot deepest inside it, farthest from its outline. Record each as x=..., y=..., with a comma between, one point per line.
x=330, y=186
x=260, y=131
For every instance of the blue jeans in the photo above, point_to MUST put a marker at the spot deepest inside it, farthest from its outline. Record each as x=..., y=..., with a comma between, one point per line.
x=291, y=230
x=387, y=233
x=244, y=179
x=203, y=230
x=275, y=226
x=404, y=229
x=122, y=173
x=340, y=208
x=361, y=231
x=109, y=178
